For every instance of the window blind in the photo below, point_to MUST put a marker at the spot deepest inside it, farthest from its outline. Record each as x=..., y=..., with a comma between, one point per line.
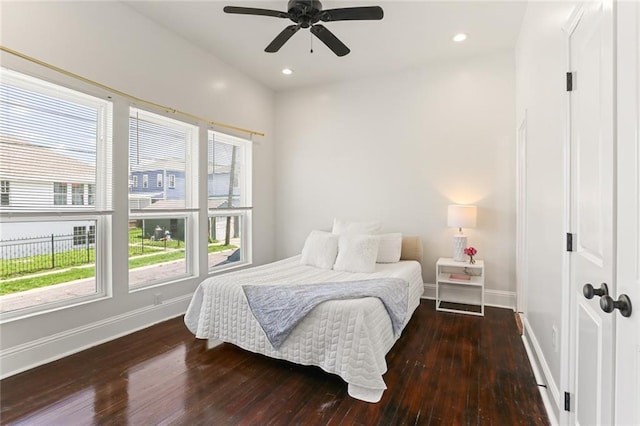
x=52, y=141
x=227, y=172
x=158, y=148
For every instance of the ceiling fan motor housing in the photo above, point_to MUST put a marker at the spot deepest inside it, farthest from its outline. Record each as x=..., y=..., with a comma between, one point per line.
x=304, y=12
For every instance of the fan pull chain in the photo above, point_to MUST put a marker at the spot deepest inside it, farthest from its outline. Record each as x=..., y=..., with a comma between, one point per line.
x=311, y=41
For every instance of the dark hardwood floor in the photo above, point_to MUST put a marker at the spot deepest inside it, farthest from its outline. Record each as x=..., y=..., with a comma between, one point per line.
x=446, y=369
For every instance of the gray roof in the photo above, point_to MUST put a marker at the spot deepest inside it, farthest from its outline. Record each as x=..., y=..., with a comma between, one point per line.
x=23, y=161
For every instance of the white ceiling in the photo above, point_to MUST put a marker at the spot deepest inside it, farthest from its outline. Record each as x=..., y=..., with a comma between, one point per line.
x=411, y=33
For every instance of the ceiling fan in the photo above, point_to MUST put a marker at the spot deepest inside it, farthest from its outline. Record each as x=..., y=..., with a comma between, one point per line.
x=307, y=14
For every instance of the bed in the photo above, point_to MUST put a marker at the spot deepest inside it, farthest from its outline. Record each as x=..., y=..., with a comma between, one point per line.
x=349, y=338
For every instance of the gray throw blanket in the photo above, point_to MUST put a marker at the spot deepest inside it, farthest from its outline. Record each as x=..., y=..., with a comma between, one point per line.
x=279, y=308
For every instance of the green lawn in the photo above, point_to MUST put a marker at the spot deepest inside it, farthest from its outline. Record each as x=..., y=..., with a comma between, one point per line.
x=46, y=280
x=62, y=260
x=29, y=283
x=43, y=262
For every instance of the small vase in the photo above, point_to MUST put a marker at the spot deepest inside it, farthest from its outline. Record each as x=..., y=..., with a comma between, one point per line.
x=471, y=260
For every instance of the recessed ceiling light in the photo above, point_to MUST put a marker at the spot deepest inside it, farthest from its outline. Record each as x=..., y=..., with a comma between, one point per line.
x=460, y=37
x=287, y=71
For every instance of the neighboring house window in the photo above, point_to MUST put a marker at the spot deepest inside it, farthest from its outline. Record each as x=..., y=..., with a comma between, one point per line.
x=91, y=195
x=4, y=193
x=77, y=194
x=164, y=222
x=53, y=135
x=59, y=193
x=79, y=235
x=134, y=180
x=229, y=200
x=92, y=234
x=172, y=181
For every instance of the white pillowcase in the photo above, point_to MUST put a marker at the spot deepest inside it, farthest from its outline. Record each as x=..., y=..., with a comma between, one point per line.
x=341, y=227
x=390, y=248
x=320, y=250
x=357, y=253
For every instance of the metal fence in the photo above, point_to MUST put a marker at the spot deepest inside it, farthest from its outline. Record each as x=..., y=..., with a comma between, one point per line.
x=29, y=255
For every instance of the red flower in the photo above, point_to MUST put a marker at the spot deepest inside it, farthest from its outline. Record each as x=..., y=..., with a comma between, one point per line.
x=470, y=251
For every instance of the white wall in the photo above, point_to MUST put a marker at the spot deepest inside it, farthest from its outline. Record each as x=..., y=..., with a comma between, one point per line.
x=400, y=148
x=111, y=43
x=540, y=91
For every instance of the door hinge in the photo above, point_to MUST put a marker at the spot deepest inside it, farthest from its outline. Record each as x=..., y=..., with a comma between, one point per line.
x=569, y=81
x=569, y=241
x=567, y=401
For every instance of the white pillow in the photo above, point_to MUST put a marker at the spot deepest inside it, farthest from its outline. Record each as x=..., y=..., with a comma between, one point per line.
x=320, y=250
x=347, y=227
x=357, y=253
x=390, y=248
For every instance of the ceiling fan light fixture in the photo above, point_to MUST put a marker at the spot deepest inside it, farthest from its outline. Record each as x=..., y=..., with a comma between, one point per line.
x=287, y=71
x=307, y=14
x=459, y=37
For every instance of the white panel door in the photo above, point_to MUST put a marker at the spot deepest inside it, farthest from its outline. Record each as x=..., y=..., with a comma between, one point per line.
x=627, y=387
x=592, y=209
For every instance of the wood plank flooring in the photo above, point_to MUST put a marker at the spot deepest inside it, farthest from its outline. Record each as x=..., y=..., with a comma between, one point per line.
x=446, y=369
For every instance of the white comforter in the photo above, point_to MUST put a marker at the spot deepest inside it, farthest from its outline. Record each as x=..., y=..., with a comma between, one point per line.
x=349, y=338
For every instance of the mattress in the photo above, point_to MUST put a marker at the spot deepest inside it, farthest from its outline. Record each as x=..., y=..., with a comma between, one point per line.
x=349, y=338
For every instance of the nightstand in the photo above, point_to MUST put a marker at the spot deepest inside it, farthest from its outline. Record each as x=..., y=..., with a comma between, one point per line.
x=460, y=286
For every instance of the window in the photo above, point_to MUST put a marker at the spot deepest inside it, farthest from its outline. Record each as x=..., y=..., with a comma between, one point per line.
x=163, y=225
x=91, y=195
x=79, y=235
x=134, y=181
x=172, y=181
x=59, y=193
x=82, y=237
x=229, y=200
x=77, y=194
x=4, y=193
x=66, y=137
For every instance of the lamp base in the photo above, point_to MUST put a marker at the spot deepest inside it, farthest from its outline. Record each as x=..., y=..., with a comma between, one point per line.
x=459, y=244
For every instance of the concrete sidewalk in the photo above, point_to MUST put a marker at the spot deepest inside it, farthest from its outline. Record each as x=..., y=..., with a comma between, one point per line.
x=87, y=286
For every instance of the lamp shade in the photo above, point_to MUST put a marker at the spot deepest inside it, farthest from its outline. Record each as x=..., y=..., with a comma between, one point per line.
x=459, y=216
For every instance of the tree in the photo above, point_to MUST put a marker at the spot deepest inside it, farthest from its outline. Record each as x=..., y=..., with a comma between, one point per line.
x=232, y=181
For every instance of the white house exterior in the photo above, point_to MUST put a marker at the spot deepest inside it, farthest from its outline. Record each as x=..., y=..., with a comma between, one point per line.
x=29, y=184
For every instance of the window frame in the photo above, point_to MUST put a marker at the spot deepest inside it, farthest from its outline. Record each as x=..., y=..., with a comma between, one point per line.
x=245, y=157
x=60, y=198
x=91, y=194
x=101, y=215
x=145, y=181
x=79, y=238
x=5, y=193
x=190, y=212
x=77, y=194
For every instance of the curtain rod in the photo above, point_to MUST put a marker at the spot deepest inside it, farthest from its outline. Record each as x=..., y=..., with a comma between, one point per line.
x=128, y=96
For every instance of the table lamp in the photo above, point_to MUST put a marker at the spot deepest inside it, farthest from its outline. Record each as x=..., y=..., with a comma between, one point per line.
x=459, y=216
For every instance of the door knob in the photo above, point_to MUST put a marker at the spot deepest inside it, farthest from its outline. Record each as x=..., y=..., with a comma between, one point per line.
x=623, y=303
x=589, y=291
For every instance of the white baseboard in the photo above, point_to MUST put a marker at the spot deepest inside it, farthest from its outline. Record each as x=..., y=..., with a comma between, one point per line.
x=20, y=358
x=550, y=396
x=496, y=298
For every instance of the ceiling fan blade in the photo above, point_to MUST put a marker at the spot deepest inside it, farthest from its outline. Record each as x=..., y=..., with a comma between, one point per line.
x=282, y=38
x=353, y=14
x=254, y=11
x=330, y=40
